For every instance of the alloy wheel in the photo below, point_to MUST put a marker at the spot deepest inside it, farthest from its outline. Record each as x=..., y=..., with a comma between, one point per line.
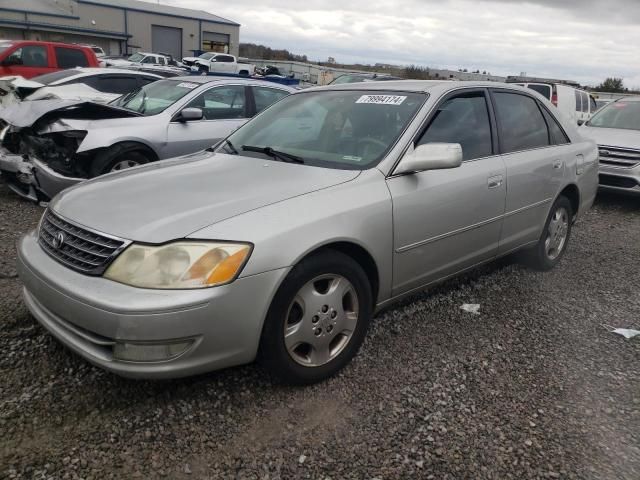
x=557, y=233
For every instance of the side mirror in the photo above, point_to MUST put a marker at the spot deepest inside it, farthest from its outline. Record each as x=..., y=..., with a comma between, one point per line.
x=431, y=156
x=190, y=114
x=580, y=122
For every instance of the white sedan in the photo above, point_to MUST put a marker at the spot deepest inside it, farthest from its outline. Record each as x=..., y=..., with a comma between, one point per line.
x=100, y=85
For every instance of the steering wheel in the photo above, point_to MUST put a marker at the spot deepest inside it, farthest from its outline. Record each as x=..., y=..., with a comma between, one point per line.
x=373, y=141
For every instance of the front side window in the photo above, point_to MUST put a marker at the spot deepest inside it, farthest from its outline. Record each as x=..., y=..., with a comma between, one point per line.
x=522, y=126
x=70, y=58
x=465, y=120
x=29, y=56
x=265, y=96
x=155, y=97
x=149, y=60
x=335, y=129
x=622, y=114
x=221, y=103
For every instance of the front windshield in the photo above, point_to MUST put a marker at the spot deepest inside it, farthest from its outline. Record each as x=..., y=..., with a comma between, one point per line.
x=136, y=58
x=348, y=79
x=155, y=97
x=206, y=56
x=335, y=129
x=622, y=114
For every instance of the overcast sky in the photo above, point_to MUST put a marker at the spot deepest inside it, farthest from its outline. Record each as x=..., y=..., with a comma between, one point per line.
x=583, y=40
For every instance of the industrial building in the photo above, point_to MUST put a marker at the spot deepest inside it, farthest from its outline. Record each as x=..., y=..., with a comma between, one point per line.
x=119, y=26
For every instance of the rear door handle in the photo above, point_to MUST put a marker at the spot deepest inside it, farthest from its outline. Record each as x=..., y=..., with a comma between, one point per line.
x=557, y=164
x=495, y=181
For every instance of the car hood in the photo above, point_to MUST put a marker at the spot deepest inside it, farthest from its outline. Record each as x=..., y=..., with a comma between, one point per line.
x=171, y=199
x=612, y=137
x=25, y=114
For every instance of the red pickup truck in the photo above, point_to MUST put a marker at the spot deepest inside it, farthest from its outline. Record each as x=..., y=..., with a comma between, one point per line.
x=30, y=58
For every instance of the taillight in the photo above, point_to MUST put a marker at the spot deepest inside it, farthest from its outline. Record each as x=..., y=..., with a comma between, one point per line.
x=554, y=99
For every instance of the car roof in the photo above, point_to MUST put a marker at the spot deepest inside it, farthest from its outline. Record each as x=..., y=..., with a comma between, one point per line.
x=82, y=72
x=417, y=85
x=204, y=79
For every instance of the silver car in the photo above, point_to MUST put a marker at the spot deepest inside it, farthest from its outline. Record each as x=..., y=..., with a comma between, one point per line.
x=616, y=130
x=285, y=240
x=49, y=145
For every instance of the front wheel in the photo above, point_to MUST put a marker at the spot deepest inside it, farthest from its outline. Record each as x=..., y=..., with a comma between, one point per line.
x=555, y=237
x=116, y=159
x=317, y=320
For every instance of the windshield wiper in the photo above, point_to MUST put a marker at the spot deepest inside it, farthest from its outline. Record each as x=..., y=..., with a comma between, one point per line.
x=277, y=154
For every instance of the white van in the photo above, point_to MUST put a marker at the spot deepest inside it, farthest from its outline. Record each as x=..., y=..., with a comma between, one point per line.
x=574, y=103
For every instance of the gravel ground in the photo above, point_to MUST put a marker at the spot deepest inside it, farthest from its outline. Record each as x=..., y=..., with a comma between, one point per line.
x=533, y=387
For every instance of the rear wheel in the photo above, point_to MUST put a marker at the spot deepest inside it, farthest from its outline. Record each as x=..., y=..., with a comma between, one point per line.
x=555, y=237
x=317, y=320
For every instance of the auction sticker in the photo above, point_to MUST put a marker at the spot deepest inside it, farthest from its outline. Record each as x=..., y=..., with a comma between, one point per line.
x=382, y=99
x=188, y=85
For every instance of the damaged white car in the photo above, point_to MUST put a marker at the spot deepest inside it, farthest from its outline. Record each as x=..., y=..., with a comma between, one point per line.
x=49, y=145
x=101, y=85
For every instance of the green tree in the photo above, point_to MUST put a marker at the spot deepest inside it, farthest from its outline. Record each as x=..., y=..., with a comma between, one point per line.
x=611, y=84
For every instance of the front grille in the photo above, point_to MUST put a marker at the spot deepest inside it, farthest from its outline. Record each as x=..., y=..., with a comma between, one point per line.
x=619, y=157
x=77, y=248
x=620, y=182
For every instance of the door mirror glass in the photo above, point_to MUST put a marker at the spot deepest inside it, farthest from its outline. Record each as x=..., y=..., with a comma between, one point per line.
x=580, y=122
x=431, y=156
x=190, y=114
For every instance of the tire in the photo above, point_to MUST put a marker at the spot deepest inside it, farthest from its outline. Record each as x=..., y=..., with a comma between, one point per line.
x=555, y=237
x=203, y=70
x=334, y=335
x=114, y=158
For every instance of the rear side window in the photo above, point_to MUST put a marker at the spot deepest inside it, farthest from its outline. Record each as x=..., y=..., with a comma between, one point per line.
x=70, y=58
x=544, y=90
x=265, y=96
x=578, y=101
x=585, y=102
x=224, y=58
x=556, y=133
x=120, y=84
x=29, y=56
x=522, y=126
x=465, y=120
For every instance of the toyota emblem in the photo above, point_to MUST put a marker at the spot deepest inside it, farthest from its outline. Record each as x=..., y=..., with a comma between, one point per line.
x=58, y=240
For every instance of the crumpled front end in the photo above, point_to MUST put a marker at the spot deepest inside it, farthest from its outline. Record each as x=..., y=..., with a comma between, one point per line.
x=37, y=164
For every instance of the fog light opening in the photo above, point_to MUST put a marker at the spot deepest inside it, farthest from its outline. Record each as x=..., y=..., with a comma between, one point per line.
x=150, y=352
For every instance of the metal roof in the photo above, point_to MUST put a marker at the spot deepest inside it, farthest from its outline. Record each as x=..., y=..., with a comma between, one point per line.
x=161, y=9
x=37, y=6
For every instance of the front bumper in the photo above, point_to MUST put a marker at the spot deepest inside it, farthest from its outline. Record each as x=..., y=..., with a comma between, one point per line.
x=89, y=314
x=620, y=180
x=32, y=179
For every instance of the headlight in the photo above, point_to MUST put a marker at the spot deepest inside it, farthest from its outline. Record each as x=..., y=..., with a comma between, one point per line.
x=179, y=265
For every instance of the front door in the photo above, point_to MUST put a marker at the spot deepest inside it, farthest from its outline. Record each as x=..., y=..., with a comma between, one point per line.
x=448, y=220
x=224, y=109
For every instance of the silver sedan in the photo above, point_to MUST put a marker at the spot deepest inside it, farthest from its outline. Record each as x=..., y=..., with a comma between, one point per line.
x=283, y=242
x=52, y=144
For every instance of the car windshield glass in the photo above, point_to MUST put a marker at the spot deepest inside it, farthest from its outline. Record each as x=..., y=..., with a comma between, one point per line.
x=49, y=78
x=155, y=97
x=621, y=114
x=206, y=56
x=335, y=129
x=348, y=79
x=136, y=57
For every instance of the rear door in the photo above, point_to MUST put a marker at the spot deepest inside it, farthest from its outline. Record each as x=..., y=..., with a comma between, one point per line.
x=224, y=107
x=448, y=220
x=535, y=151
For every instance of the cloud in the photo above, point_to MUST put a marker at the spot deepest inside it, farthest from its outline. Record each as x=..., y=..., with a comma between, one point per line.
x=583, y=40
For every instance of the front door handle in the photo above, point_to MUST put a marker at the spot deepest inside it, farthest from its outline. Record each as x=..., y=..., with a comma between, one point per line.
x=495, y=181
x=557, y=164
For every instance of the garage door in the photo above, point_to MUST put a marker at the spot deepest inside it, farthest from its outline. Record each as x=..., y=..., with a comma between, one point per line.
x=166, y=40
